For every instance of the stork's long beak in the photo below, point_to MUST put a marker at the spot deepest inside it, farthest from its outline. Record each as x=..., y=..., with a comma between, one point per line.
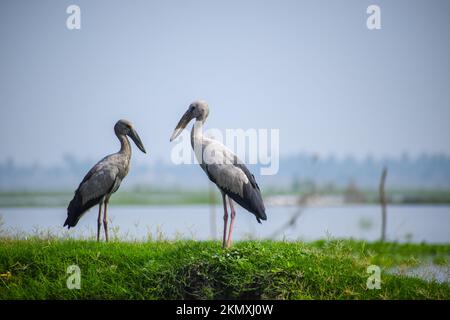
x=187, y=116
x=135, y=137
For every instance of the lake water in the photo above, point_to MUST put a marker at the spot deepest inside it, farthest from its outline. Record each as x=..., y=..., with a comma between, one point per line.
x=428, y=223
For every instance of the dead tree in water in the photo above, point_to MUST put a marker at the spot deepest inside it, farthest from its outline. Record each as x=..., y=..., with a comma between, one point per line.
x=383, y=204
x=302, y=205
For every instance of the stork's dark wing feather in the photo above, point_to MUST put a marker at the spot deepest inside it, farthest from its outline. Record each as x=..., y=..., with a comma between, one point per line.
x=251, y=199
x=229, y=178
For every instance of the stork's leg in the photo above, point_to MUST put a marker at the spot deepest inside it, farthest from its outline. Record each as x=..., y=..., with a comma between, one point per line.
x=99, y=220
x=105, y=219
x=225, y=219
x=233, y=214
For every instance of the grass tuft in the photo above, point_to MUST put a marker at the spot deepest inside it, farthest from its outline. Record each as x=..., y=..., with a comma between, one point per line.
x=36, y=269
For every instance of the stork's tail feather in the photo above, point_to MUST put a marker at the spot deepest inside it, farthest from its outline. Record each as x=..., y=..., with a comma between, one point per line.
x=258, y=205
x=76, y=209
x=251, y=201
x=68, y=223
x=255, y=202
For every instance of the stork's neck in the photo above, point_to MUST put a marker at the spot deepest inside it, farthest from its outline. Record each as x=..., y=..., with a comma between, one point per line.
x=197, y=133
x=125, y=147
x=197, y=140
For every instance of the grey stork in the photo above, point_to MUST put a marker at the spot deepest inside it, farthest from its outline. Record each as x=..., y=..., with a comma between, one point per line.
x=223, y=168
x=104, y=179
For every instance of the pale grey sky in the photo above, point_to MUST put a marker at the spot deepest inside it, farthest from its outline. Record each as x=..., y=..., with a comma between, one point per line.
x=310, y=68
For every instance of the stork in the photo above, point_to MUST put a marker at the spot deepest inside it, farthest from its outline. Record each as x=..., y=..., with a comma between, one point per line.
x=223, y=168
x=104, y=179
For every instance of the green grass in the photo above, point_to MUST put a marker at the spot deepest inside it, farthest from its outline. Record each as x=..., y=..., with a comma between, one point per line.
x=36, y=269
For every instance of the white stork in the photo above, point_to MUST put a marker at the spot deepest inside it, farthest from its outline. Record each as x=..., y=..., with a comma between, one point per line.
x=223, y=168
x=104, y=179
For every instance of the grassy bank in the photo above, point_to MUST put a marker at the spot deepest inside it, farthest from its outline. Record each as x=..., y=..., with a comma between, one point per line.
x=36, y=269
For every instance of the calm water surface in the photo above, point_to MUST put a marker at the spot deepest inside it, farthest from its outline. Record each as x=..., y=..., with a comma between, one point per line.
x=405, y=223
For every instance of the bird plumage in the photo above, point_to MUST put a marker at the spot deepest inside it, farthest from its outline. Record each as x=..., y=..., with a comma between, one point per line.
x=223, y=168
x=104, y=178
x=231, y=176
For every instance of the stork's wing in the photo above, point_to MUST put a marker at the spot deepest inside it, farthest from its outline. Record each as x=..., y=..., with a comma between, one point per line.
x=228, y=177
x=232, y=176
x=98, y=182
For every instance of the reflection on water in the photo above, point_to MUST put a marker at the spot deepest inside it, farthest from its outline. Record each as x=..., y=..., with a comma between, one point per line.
x=405, y=223
x=429, y=272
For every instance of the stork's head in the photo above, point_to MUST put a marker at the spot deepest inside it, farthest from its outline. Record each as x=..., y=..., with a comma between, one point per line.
x=125, y=127
x=198, y=110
